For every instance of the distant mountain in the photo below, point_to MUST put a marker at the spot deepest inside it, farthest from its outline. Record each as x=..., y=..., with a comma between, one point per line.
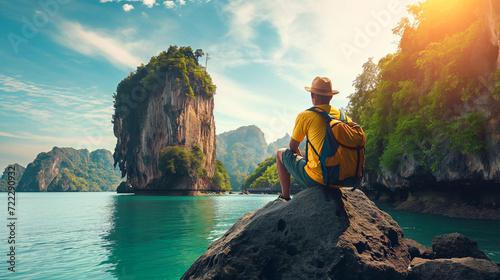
x=278, y=144
x=242, y=149
x=67, y=169
x=18, y=171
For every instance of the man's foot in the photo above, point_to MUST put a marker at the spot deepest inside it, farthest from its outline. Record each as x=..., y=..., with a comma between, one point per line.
x=282, y=198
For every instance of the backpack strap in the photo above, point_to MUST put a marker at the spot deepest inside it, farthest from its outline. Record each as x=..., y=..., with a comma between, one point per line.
x=322, y=112
x=327, y=116
x=343, y=118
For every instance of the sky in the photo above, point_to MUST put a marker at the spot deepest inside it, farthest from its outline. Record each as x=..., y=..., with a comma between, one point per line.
x=61, y=61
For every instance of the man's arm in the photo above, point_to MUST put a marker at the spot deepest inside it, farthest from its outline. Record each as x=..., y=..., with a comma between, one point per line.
x=294, y=146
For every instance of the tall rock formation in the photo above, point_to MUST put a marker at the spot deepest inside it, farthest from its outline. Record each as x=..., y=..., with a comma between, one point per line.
x=168, y=102
x=441, y=178
x=67, y=169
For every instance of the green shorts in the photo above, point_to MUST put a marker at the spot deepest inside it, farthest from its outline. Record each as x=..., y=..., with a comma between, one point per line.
x=295, y=165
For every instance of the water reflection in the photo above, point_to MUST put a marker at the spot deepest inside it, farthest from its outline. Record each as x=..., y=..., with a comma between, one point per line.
x=155, y=237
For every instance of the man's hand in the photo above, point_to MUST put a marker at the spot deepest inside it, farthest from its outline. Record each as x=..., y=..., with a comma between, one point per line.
x=294, y=146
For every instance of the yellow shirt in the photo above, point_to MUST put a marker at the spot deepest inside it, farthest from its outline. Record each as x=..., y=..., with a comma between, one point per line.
x=313, y=125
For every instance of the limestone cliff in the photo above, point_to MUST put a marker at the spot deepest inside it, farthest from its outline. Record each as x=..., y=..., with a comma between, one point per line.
x=168, y=102
x=451, y=182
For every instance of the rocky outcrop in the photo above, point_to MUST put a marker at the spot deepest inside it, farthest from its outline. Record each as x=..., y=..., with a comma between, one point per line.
x=319, y=234
x=453, y=269
x=452, y=256
x=456, y=245
x=153, y=115
x=418, y=250
x=67, y=169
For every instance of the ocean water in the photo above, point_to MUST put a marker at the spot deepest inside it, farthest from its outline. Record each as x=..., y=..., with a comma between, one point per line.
x=111, y=236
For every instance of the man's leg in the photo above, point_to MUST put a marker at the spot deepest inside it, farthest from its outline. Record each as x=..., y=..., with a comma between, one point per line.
x=283, y=174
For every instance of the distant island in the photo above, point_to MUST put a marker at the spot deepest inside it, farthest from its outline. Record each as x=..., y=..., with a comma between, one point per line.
x=66, y=170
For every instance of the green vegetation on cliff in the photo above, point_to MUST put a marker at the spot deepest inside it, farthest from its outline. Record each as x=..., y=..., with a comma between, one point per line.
x=178, y=162
x=414, y=101
x=265, y=176
x=221, y=177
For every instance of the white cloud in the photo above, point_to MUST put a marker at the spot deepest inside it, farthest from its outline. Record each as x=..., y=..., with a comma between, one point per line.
x=128, y=7
x=149, y=3
x=96, y=43
x=5, y=134
x=144, y=14
x=169, y=4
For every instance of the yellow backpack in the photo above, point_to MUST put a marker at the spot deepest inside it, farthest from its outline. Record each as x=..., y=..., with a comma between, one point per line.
x=342, y=157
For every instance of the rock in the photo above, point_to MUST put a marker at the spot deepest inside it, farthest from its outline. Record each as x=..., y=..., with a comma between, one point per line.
x=453, y=269
x=319, y=234
x=124, y=188
x=418, y=250
x=151, y=116
x=456, y=245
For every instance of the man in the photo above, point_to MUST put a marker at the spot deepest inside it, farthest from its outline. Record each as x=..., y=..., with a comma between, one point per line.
x=310, y=124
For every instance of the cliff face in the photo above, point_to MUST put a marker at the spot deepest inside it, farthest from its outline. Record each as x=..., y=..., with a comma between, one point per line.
x=450, y=182
x=166, y=116
x=67, y=169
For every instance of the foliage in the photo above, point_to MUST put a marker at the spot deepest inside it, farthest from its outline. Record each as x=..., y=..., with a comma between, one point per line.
x=198, y=53
x=412, y=101
x=177, y=161
x=221, y=177
x=266, y=176
x=259, y=171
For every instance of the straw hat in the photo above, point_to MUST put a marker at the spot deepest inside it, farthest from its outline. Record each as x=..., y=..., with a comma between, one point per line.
x=322, y=86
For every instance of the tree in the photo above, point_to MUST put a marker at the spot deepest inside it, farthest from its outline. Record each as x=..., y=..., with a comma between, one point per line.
x=365, y=83
x=199, y=53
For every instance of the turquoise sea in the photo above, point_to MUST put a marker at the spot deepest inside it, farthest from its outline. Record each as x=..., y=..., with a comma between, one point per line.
x=111, y=236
